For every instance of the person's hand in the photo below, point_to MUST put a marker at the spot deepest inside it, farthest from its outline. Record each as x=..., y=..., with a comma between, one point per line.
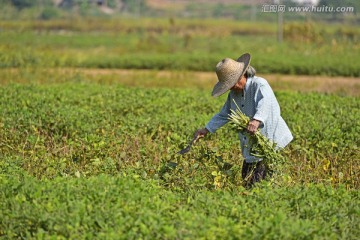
x=253, y=126
x=200, y=133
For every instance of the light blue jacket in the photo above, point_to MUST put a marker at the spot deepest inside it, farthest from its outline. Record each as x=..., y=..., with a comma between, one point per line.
x=257, y=101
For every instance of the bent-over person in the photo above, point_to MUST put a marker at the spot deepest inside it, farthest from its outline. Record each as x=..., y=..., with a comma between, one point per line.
x=256, y=99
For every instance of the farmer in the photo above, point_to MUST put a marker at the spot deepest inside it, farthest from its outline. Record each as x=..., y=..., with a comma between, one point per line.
x=256, y=100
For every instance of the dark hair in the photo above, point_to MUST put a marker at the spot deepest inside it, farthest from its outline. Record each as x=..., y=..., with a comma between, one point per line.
x=250, y=72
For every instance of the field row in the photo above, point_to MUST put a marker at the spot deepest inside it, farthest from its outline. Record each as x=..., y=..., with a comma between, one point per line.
x=62, y=129
x=125, y=207
x=172, y=49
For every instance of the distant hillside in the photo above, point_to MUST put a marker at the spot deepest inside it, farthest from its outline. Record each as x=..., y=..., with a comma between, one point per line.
x=246, y=10
x=164, y=4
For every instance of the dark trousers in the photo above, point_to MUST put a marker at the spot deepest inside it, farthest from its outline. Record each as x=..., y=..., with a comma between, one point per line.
x=253, y=173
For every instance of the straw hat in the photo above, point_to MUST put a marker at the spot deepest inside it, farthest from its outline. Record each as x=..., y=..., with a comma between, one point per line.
x=228, y=72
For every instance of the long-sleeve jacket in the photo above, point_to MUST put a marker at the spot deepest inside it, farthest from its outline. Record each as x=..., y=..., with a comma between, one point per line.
x=257, y=101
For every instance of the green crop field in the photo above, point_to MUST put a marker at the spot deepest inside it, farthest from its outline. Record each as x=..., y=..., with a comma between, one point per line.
x=89, y=139
x=82, y=159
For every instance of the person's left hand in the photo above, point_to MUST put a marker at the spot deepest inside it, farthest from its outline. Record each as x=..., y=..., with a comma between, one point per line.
x=253, y=126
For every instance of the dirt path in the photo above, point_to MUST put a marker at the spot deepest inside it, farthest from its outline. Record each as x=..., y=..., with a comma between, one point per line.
x=177, y=79
x=205, y=80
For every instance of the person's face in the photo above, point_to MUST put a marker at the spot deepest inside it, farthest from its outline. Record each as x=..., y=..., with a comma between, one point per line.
x=240, y=85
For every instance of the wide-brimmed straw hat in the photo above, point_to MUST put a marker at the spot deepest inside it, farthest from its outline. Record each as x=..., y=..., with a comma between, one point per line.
x=228, y=72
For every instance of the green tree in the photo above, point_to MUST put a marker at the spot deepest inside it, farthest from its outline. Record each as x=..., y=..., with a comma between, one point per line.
x=133, y=6
x=218, y=11
x=21, y=4
x=49, y=13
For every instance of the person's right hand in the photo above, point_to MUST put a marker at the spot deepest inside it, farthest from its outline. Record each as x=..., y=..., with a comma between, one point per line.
x=200, y=133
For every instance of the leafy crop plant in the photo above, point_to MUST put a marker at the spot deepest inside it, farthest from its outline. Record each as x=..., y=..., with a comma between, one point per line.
x=261, y=146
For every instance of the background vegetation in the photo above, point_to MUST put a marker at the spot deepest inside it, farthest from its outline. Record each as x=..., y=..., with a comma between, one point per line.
x=309, y=49
x=87, y=34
